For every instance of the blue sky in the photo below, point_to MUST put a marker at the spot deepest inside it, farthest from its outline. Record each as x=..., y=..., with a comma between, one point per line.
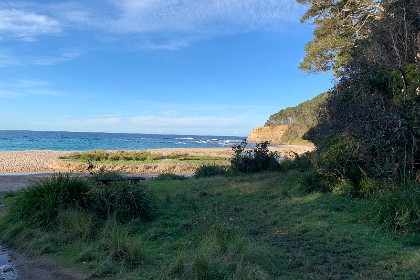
x=206, y=67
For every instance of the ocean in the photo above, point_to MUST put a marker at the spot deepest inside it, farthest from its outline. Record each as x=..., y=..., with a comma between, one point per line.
x=24, y=140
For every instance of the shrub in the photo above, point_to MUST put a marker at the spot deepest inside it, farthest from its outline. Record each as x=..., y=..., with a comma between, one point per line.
x=300, y=162
x=399, y=208
x=122, y=199
x=254, y=160
x=210, y=171
x=40, y=203
x=312, y=181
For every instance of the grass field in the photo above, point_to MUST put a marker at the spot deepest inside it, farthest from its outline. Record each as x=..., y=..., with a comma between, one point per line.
x=237, y=227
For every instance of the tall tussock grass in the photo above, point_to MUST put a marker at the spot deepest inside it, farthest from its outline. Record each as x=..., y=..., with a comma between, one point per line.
x=124, y=200
x=40, y=203
x=44, y=204
x=399, y=208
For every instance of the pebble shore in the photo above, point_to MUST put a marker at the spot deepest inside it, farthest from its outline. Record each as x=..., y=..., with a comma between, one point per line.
x=28, y=161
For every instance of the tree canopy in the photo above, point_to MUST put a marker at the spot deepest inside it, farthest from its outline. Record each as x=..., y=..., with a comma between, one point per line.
x=371, y=117
x=339, y=24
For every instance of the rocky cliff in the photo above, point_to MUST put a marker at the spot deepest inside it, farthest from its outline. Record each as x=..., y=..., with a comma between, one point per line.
x=289, y=125
x=272, y=134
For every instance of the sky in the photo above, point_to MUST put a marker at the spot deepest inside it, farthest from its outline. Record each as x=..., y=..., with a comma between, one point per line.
x=191, y=67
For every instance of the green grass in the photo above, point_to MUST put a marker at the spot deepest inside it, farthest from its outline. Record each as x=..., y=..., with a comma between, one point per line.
x=260, y=226
x=140, y=157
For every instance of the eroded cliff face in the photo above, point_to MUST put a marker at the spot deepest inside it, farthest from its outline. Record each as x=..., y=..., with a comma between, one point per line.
x=272, y=134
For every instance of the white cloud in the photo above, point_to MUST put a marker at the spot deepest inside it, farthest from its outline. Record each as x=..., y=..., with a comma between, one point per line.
x=27, y=87
x=155, y=24
x=165, y=44
x=20, y=24
x=9, y=94
x=64, y=55
x=175, y=24
x=202, y=16
x=7, y=59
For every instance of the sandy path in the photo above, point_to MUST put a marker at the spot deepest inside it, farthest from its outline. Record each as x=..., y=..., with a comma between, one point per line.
x=17, y=182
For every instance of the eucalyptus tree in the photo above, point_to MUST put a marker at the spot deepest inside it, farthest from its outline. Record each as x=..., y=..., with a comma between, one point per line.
x=338, y=26
x=372, y=115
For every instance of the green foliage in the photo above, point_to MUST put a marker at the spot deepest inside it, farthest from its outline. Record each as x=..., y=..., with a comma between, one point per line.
x=40, y=203
x=119, y=247
x=221, y=254
x=188, y=157
x=253, y=226
x=210, y=171
x=140, y=157
x=122, y=199
x=101, y=155
x=299, y=162
x=369, y=124
x=338, y=26
x=398, y=209
x=337, y=160
x=76, y=224
x=170, y=176
x=107, y=175
x=312, y=181
x=254, y=160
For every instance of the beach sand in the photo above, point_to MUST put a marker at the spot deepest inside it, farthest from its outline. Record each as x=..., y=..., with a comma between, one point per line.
x=19, y=169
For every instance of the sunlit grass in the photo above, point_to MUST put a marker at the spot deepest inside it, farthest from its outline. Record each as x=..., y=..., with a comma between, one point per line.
x=141, y=157
x=237, y=227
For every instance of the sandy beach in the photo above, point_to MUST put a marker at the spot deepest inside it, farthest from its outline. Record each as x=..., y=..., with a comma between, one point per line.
x=19, y=169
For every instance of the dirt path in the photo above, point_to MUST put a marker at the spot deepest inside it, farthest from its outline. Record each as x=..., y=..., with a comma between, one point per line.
x=37, y=268
x=14, y=265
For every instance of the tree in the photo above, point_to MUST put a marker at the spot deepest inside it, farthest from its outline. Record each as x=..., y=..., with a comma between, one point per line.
x=339, y=24
x=374, y=109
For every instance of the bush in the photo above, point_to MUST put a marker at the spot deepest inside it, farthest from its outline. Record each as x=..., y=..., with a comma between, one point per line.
x=122, y=199
x=40, y=203
x=210, y=171
x=254, y=160
x=300, y=162
x=312, y=181
x=399, y=208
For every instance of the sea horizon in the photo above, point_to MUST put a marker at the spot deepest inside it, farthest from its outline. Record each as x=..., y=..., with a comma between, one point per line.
x=24, y=140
